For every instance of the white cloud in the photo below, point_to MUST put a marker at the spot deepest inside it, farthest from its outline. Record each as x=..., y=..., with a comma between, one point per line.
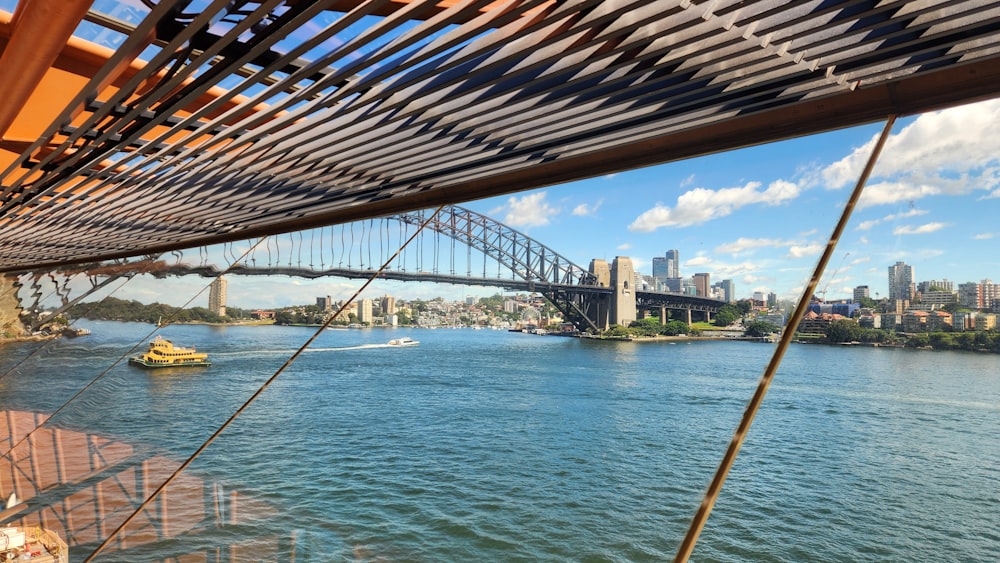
x=862, y=260
x=698, y=261
x=529, y=211
x=884, y=193
x=867, y=225
x=985, y=236
x=806, y=250
x=744, y=244
x=701, y=205
x=921, y=230
x=624, y=246
x=687, y=181
x=584, y=209
x=949, y=152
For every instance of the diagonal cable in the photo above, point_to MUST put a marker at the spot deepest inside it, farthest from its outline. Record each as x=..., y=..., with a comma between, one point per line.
x=256, y=394
x=712, y=494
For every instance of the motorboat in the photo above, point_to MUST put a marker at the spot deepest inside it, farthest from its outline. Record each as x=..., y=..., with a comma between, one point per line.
x=404, y=341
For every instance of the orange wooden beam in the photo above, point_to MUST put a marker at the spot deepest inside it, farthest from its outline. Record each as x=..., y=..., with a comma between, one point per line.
x=40, y=31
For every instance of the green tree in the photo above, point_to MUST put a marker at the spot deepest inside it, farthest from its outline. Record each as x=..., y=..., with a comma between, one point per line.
x=844, y=330
x=727, y=315
x=760, y=329
x=918, y=340
x=868, y=303
x=675, y=328
x=745, y=306
x=403, y=318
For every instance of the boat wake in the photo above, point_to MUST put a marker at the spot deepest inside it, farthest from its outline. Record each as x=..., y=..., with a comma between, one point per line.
x=290, y=351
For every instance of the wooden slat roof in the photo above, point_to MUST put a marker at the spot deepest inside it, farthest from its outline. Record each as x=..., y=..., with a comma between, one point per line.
x=169, y=127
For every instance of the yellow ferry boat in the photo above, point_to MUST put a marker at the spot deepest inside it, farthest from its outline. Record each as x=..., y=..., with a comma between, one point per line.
x=163, y=354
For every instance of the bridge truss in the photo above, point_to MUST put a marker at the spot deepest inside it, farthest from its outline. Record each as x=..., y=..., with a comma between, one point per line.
x=456, y=240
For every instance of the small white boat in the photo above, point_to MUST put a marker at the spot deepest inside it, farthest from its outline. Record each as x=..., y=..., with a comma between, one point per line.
x=404, y=341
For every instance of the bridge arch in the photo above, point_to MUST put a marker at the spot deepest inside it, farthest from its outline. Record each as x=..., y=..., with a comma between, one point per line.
x=534, y=266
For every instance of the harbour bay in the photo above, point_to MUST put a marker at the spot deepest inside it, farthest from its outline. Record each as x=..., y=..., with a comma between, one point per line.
x=487, y=445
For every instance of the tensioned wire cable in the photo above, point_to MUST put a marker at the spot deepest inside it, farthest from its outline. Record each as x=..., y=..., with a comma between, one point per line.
x=129, y=351
x=46, y=344
x=260, y=390
x=712, y=494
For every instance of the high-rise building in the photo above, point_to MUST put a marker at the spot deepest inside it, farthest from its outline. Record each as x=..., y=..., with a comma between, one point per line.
x=673, y=264
x=861, y=292
x=728, y=290
x=324, y=303
x=982, y=295
x=388, y=305
x=702, y=284
x=901, y=284
x=365, y=311
x=217, y=296
x=659, y=268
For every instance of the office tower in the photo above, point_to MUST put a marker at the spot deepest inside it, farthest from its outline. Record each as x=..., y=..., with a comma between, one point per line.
x=673, y=264
x=702, y=284
x=861, y=292
x=217, y=296
x=901, y=281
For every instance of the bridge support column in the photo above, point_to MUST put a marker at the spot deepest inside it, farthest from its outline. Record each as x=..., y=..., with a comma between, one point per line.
x=663, y=315
x=687, y=316
x=708, y=316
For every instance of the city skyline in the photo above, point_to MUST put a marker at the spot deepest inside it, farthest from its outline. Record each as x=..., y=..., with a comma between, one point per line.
x=759, y=216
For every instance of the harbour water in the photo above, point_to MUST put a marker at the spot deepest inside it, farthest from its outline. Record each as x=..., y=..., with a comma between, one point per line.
x=492, y=446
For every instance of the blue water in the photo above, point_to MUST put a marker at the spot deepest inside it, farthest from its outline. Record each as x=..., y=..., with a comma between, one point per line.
x=488, y=445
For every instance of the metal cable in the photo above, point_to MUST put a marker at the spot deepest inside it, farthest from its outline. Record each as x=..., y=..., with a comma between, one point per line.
x=701, y=516
x=122, y=357
x=253, y=397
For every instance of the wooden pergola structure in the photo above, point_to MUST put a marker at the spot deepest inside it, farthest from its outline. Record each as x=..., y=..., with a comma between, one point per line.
x=136, y=127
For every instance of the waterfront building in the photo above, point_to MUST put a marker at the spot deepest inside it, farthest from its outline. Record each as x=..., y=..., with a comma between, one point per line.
x=777, y=319
x=816, y=323
x=365, y=311
x=983, y=295
x=870, y=320
x=324, y=303
x=892, y=321
x=861, y=292
x=901, y=284
x=926, y=321
x=985, y=321
x=217, y=296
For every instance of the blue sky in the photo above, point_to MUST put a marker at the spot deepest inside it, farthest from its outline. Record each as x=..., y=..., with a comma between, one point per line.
x=759, y=216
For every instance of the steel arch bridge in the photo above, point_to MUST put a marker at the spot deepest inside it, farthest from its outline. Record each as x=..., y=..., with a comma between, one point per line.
x=532, y=265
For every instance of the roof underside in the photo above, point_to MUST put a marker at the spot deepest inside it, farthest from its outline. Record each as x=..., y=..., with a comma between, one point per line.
x=132, y=128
